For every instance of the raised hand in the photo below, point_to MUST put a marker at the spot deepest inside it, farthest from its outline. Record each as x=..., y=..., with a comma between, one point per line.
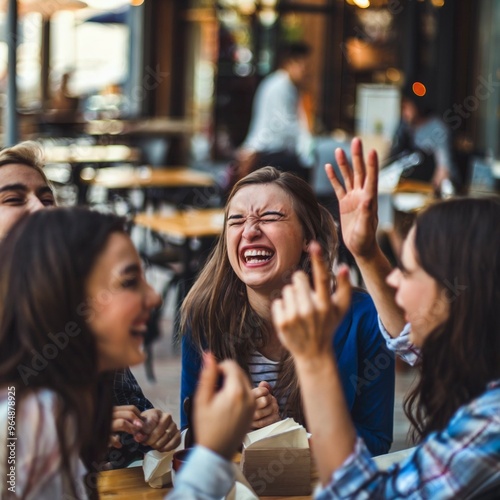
x=222, y=417
x=306, y=319
x=358, y=220
x=358, y=199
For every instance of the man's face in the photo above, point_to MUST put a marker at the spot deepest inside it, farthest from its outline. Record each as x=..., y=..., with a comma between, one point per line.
x=22, y=190
x=297, y=70
x=409, y=111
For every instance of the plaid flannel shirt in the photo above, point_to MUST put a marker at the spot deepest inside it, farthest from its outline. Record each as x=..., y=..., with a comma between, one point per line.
x=462, y=461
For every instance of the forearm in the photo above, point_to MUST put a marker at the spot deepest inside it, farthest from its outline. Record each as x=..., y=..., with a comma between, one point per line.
x=374, y=271
x=329, y=421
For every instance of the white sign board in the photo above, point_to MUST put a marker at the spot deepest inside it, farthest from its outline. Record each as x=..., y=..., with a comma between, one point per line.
x=378, y=110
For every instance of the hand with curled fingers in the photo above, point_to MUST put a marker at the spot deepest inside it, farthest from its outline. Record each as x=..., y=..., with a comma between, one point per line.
x=266, y=406
x=357, y=198
x=125, y=419
x=222, y=416
x=159, y=430
x=305, y=319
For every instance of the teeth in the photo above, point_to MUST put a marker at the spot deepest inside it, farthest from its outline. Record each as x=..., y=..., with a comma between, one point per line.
x=139, y=329
x=257, y=253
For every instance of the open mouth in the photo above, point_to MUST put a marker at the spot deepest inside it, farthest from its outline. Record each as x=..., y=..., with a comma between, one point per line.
x=139, y=331
x=257, y=256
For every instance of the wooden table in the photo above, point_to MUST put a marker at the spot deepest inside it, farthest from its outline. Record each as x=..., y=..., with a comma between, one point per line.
x=151, y=126
x=82, y=156
x=143, y=177
x=128, y=484
x=76, y=153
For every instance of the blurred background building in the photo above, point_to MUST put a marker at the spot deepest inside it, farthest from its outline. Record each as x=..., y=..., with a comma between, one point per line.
x=200, y=61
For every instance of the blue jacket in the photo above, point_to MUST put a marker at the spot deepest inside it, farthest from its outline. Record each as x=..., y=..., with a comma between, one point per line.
x=365, y=366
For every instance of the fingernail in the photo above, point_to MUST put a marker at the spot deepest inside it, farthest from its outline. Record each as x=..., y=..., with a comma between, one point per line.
x=343, y=270
x=207, y=357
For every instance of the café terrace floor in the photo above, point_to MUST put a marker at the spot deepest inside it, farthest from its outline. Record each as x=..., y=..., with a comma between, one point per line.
x=164, y=393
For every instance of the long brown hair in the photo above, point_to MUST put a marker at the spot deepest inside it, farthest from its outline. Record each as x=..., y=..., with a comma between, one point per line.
x=217, y=310
x=457, y=242
x=45, y=261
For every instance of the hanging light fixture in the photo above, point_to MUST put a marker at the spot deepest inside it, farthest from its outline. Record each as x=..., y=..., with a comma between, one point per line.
x=266, y=8
x=362, y=4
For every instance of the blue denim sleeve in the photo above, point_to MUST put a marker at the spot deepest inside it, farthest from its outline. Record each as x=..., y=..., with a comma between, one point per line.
x=372, y=410
x=191, y=366
x=205, y=476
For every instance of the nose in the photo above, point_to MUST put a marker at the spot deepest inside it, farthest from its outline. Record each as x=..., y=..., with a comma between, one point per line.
x=152, y=297
x=393, y=278
x=34, y=204
x=251, y=229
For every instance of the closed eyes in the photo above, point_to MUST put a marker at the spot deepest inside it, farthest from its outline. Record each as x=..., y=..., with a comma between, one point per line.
x=269, y=216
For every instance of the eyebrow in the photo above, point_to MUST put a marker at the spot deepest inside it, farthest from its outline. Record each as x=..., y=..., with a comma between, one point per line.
x=131, y=268
x=22, y=187
x=14, y=187
x=44, y=190
x=401, y=266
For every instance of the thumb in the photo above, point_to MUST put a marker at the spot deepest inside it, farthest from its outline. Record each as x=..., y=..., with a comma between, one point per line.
x=342, y=296
x=208, y=379
x=267, y=385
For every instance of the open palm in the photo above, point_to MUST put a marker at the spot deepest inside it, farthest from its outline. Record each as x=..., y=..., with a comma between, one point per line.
x=358, y=199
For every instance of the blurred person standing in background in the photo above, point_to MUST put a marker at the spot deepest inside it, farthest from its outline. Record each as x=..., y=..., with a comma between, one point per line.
x=278, y=133
x=423, y=131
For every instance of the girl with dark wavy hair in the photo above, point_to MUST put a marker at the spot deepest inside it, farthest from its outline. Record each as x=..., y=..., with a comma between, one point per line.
x=24, y=189
x=270, y=219
x=73, y=308
x=447, y=290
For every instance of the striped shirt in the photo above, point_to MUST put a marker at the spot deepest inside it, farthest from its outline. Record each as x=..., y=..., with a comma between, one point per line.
x=262, y=369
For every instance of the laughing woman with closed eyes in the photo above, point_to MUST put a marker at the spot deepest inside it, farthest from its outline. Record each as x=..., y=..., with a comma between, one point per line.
x=270, y=219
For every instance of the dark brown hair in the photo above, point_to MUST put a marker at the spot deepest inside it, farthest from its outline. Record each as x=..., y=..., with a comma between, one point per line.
x=217, y=309
x=292, y=51
x=45, y=261
x=457, y=242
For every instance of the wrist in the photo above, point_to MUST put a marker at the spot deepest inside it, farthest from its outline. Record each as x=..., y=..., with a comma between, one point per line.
x=320, y=364
x=371, y=257
x=223, y=452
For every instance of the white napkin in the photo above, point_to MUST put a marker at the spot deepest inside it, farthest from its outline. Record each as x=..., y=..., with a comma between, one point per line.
x=241, y=489
x=283, y=434
x=157, y=468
